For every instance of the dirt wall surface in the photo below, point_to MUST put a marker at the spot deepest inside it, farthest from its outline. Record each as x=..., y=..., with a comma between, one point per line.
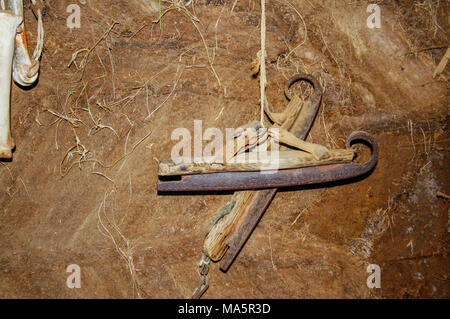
x=81, y=188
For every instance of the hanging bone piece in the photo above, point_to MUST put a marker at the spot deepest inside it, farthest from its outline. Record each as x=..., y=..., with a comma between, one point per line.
x=25, y=70
x=9, y=23
x=14, y=58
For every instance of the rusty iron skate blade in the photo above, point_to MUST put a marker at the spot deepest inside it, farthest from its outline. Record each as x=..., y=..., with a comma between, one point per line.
x=276, y=179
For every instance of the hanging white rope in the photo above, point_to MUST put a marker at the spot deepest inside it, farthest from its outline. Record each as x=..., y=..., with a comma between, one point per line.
x=262, y=60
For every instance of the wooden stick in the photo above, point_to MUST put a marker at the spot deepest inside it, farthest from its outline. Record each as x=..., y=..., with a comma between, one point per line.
x=320, y=152
x=288, y=116
x=215, y=244
x=244, y=138
x=443, y=195
x=441, y=66
x=244, y=163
